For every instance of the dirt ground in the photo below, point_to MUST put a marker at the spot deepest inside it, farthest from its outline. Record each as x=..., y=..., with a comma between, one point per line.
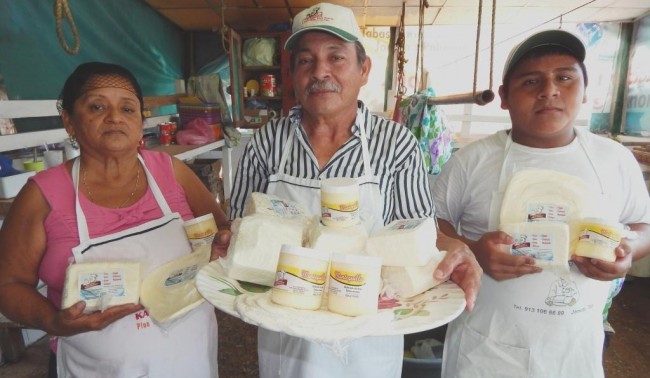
x=626, y=356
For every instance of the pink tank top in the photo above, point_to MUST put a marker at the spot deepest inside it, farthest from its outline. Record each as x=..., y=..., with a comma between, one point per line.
x=61, y=223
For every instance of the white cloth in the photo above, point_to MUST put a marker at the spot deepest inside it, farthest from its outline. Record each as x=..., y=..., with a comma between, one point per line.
x=135, y=346
x=281, y=355
x=523, y=327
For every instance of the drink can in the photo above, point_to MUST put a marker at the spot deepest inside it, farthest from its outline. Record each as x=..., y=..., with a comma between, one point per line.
x=165, y=133
x=267, y=85
x=174, y=127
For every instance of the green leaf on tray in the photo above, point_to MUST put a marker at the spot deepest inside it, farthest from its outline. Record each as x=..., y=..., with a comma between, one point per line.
x=253, y=288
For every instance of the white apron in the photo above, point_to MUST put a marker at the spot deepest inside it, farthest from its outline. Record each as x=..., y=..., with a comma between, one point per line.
x=285, y=356
x=538, y=325
x=135, y=346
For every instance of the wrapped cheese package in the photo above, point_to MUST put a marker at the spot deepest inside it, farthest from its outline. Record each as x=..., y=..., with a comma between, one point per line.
x=261, y=203
x=541, y=195
x=102, y=284
x=546, y=242
x=404, y=242
x=169, y=291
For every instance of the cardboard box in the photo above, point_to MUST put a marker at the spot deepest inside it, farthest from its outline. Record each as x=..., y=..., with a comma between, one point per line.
x=256, y=117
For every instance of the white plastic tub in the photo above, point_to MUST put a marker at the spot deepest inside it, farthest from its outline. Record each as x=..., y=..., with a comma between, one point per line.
x=11, y=185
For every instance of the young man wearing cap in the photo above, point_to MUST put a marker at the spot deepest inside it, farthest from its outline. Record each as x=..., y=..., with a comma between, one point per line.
x=332, y=134
x=518, y=329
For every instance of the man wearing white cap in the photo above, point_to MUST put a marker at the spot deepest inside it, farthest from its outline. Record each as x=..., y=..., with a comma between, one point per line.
x=531, y=321
x=332, y=134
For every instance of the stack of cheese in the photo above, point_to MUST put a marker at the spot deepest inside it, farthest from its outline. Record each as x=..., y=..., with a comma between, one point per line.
x=542, y=211
x=407, y=247
x=257, y=237
x=409, y=253
x=167, y=291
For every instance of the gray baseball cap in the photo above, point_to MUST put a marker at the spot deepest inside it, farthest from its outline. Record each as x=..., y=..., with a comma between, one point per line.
x=555, y=37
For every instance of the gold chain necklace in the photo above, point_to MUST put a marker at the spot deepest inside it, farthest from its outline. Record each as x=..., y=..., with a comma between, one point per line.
x=90, y=193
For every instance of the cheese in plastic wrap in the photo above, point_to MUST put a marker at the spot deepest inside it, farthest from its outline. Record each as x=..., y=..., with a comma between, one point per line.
x=169, y=291
x=541, y=195
x=102, y=284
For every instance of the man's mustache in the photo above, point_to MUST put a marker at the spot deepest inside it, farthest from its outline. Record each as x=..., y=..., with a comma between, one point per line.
x=319, y=86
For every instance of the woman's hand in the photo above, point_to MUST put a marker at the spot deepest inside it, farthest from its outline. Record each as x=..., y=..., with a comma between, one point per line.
x=459, y=265
x=220, y=244
x=72, y=320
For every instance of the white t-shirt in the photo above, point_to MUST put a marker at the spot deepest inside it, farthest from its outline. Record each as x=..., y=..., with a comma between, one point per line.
x=463, y=191
x=517, y=324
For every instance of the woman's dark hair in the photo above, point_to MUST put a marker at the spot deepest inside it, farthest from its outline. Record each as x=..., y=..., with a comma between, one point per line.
x=75, y=83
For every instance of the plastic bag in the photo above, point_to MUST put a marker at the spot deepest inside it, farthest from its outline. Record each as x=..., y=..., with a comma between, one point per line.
x=259, y=51
x=430, y=126
x=196, y=132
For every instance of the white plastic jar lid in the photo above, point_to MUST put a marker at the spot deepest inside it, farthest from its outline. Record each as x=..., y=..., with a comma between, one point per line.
x=339, y=184
x=305, y=252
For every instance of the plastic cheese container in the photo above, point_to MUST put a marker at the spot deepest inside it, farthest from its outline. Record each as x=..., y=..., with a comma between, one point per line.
x=354, y=284
x=339, y=198
x=201, y=230
x=300, y=277
x=598, y=238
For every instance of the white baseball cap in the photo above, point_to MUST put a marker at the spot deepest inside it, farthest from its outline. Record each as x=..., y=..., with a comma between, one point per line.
x=554, y=37
x=326, y=17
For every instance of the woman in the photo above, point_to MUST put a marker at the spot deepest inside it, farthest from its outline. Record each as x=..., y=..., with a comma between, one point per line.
x=137, y=202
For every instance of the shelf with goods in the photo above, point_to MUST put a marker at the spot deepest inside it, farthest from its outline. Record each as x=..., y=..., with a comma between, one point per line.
x=13, y=109
x=254, y=110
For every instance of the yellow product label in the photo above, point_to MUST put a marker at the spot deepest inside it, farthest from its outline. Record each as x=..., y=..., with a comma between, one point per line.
x=348, y=278
x=201, y=234
x=316, y=277
x=346, y=207
x=604, y=231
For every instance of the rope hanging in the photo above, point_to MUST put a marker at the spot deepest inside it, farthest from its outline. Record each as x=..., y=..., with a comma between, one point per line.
x=419, y=62
x=401, y=58
x=478, y=98
x=61, y=9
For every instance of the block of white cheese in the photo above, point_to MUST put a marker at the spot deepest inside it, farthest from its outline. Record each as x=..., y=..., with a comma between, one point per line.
x=407, y=281
x=102, y=284
x=546, y=242
x=262, y=203
x=169, y=291
x=541, y=195
x=404, y=242
x=255, y=246
x=349, y=240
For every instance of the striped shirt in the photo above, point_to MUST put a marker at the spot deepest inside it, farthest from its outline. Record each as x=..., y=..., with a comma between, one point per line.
x=395, y=159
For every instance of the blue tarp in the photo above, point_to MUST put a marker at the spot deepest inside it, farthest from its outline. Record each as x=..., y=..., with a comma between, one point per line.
x=127, y=32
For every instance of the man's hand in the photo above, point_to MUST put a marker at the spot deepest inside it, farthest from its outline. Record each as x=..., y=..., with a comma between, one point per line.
x=497, y=264
x=460, y=266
